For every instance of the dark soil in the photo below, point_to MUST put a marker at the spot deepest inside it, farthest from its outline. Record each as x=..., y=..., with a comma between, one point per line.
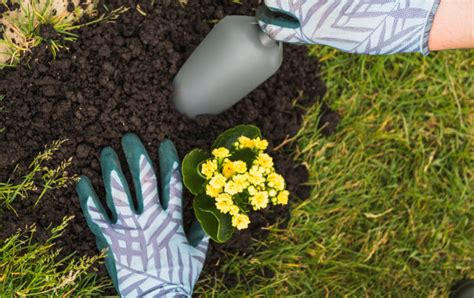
x=12, y=6
x=48, y=32
x=117, y=78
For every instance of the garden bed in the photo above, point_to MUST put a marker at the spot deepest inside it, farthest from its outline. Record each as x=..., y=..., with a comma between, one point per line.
x=116, y=78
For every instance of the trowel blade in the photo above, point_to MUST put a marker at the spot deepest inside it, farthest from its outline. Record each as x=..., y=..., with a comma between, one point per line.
x=234, y=59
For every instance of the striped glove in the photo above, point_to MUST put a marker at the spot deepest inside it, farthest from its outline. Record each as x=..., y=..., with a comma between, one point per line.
x=355, y=26
x=148, y=255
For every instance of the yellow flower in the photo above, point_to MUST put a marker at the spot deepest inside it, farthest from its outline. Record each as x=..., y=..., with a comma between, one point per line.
x=261, y=144
x=228, y=168
x=259, y=200
x=224, y=197
x=256, y=170
x=252, y=191
x=209, y=168
x=276, y=181
x=256, y=176
x=240, y=221
x=218, y=181
x=246, y=142
x=264, y=160
x=241, y=180
x=234, y=210
x=240, y=166
x=282, y=197
x=232, y=188
x=272, y=193
x=231, y=167
x=212, y=192
x=221, y=152
x=224, y=203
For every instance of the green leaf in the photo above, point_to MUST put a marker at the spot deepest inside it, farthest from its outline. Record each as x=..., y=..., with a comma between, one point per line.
x=247, y=155
x=192, y=178
x=216, y=224
x=229, y=137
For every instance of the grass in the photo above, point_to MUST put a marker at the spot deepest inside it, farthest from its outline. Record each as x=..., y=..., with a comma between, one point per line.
x=23, y=21
x=392, y=210
x=40, y=178
x=28, y=268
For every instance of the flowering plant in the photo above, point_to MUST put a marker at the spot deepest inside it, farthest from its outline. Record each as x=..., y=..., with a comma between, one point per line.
x=236, y=178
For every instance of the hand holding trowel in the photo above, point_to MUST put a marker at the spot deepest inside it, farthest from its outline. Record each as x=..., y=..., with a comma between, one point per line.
x=242, y=52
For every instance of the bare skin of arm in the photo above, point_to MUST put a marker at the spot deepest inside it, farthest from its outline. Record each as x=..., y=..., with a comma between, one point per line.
x=453, y=26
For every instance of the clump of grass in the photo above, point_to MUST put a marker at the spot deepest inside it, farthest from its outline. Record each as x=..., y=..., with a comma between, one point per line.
x=22, y=22
x=28, y=23
x=392, y=206
x=36, y=269
x=40, y=178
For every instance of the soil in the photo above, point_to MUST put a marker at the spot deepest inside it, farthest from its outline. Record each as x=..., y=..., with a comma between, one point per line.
x=48, y=32
x=116, y=78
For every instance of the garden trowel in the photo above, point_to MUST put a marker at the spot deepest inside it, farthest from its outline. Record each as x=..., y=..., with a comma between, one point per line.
x=234, y=59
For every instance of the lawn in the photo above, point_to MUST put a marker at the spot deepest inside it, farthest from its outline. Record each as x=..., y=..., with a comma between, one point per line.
x=392, y=205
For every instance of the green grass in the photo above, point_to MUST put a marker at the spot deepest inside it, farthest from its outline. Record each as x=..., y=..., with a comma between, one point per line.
x=23, y=26
x=39, y=178
x=392, y=209
x=28, y=268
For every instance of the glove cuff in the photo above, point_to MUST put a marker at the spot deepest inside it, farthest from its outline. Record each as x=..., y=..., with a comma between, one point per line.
x=424, y=47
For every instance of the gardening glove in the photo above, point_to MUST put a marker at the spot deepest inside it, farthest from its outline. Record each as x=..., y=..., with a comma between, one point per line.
x=355, y=26
x=148, y=253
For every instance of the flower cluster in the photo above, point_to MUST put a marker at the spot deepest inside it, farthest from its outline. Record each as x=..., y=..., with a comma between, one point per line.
x=238, y=186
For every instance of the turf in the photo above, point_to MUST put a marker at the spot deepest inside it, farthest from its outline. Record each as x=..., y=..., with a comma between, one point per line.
x=391, y=213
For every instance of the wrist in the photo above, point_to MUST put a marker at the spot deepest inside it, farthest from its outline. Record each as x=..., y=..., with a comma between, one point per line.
x=453, y=26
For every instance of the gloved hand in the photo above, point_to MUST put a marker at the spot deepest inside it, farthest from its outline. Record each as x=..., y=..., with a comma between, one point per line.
x=355, y=26
x=149, y=255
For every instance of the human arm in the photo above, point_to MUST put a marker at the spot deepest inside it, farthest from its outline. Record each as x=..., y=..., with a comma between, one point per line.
x=356, y=26
x=453, y=26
